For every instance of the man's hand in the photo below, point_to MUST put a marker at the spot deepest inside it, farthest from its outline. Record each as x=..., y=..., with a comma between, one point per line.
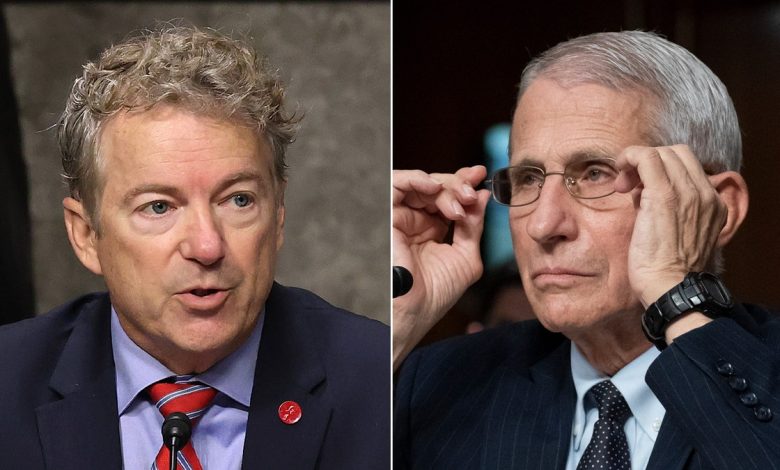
x=679, y=219
x=425, y=209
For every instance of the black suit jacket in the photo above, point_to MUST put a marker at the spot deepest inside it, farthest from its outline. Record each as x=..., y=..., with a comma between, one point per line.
x=504, y=399
x=58, y=405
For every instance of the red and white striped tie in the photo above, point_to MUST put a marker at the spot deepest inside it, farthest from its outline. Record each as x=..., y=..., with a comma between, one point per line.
x=190, y=398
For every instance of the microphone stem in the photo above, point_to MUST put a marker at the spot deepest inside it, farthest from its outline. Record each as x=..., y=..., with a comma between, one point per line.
x=174, y=452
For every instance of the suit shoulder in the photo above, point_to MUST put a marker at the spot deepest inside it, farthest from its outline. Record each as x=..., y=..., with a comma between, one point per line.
x=42, y=331
x=30, y=349
x=340, y=332
x=320, y=311
x=524, y=343
x=757, y=319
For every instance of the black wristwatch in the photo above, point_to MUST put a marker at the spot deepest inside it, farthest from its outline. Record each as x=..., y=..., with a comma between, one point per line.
x=700, y=292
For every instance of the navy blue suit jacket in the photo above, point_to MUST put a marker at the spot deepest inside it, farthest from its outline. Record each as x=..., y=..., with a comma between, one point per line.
x=504, y=399
x=58, y=405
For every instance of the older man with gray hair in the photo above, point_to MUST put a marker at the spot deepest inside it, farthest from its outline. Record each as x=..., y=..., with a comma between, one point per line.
x=623, y=187
x=173, y=146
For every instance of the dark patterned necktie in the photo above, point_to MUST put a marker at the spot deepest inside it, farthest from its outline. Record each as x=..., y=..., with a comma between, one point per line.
x=608, y=447
x=190, y=398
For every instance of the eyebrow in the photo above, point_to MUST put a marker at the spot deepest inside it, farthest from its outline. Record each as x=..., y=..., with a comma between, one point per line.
x=594, y=153
x=172, y=191
x=241, y=177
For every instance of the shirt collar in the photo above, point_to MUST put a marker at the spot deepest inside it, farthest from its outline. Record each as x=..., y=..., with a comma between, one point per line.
x=630, y=380
x=136, y=369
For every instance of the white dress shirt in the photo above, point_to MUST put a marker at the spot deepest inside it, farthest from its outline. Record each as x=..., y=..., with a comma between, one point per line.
x=647, y=413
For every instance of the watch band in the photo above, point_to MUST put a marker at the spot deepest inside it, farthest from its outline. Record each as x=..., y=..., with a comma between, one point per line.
x=703, y=292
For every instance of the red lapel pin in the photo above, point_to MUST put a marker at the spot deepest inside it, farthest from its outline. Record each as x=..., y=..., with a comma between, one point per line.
x=290, y=412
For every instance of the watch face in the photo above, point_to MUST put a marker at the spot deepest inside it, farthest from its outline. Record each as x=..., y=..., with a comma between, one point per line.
x=716, y=290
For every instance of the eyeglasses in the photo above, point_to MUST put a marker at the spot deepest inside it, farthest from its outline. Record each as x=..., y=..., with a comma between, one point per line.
x=586, y=179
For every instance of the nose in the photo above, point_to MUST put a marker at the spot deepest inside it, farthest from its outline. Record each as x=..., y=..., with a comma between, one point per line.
x=202, y=241
x=551, y=219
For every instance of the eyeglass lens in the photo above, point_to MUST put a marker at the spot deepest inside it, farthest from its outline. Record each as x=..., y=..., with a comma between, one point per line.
x=586, y=179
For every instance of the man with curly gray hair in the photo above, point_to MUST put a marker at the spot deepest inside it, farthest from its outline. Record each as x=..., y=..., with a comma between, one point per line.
x=173, y=148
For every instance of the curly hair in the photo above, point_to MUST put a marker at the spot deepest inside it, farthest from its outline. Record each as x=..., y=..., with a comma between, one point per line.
x=202, y=70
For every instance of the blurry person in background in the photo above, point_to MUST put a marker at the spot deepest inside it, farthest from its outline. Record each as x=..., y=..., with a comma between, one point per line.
x=499, y=299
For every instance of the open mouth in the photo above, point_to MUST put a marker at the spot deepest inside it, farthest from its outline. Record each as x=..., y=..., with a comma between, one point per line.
x=203, y=292
x=203, y=299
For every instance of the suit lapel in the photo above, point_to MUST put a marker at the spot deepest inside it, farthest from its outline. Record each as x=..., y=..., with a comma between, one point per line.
x=534, y=422
x=82, y=429
x=541, y=408
x=288, y=369
x=552, y=430
x=671, y=450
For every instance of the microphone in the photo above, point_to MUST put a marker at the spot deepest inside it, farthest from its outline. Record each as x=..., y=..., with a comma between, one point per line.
x=402, y=281
x=176, y=432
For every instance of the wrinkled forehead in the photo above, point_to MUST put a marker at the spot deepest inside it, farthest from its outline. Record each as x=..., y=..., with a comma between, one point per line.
x=161, y=143
x=555, y=125
x=163, y=122
x=575, y=159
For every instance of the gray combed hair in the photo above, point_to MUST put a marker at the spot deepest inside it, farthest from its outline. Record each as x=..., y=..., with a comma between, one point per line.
x=692, y=105
x=201, y=70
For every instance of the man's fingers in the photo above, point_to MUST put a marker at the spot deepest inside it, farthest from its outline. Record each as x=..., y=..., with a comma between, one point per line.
x=448, y=194
x=693, y=165
x=656, y=167
x=463, y=182
x=468, y=232
x=682, y=184
x=416, y=224
x=672, y=173
x=474, y=175
x=679, y=219
x=641, y=165
x=413, y=181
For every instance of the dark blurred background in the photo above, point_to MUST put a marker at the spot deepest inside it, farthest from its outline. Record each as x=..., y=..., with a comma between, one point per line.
x=16, y=280
x=455, y=70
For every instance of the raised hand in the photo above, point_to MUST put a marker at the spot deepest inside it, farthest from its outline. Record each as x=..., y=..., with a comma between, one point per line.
x=683, y=215
x=426, y=209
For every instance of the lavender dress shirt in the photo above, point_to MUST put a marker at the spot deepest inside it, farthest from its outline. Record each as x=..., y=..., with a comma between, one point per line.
x=218, y=437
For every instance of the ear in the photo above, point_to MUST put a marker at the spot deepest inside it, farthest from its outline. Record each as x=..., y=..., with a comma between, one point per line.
x=280, y=215
x=733, y=191
x=82, y=236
